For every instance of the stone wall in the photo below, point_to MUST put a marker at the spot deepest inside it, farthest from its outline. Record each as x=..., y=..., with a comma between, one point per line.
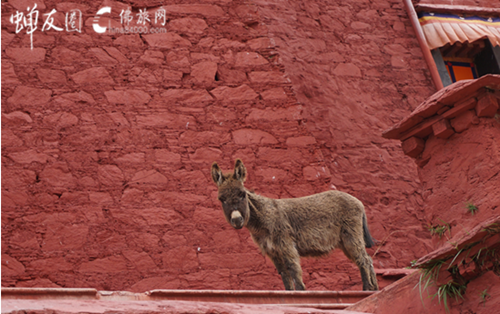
x=107, y=139
x=462, y=172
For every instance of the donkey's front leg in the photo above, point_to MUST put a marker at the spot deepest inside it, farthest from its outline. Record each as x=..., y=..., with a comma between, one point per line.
x=283, y=271
x=293, y=266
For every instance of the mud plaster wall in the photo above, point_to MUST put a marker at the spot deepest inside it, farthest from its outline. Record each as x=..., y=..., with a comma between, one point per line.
x=107, y=140
x=463, y=169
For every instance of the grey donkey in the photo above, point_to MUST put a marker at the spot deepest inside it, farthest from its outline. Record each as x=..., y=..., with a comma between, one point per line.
x=286, y=229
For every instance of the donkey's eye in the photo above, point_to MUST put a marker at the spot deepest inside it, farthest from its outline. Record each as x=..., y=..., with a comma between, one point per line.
x=222, y=200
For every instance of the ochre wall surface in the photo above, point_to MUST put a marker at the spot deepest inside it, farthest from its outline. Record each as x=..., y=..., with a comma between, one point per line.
x=461, y=171
x=107, y=139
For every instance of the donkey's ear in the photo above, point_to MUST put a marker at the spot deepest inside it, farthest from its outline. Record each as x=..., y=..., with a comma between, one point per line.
x=217, y=174
x=240, y=172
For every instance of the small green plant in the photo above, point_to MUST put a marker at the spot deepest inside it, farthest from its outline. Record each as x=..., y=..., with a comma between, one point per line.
x=438, y=229
x=450, y=290
x=471, y=208
x=483, y=295
x=429, y=274
x=492, y=228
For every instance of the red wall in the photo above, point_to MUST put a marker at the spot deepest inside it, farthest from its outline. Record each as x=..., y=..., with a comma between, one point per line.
x=462, y=170
x=107, y=140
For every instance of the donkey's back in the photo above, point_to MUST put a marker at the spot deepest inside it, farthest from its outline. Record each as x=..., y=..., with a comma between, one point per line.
x=318, y=220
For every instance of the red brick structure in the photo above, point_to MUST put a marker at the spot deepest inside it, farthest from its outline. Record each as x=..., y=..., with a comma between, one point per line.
x=459, y=161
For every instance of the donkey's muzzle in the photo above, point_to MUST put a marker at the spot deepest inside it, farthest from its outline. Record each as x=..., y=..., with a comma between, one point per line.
x=236, y=220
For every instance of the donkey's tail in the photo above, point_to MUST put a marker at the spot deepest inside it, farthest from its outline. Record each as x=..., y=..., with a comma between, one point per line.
x=366, y=233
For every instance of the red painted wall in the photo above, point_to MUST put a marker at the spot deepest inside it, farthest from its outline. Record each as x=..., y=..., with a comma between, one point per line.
x=462, y=170
x=107, y=140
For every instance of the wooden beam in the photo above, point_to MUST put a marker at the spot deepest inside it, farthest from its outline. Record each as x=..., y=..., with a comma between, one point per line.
x=457, y=9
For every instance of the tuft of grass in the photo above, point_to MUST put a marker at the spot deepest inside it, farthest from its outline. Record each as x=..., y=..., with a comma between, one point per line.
x=483, y=295
x=438, y=229
x=450, y=290
x=492, y=228
x=471, y=208
x=428, y=275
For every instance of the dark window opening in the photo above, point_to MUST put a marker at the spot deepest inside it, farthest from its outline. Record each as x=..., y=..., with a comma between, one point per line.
x=464, y=61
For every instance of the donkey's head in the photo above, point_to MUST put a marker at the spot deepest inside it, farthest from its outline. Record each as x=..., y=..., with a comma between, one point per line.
x=232, y=194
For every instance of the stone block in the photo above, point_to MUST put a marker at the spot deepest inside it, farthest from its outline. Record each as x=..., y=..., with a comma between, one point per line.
x=149, y=177
x=271, y=174
x=29, y=156
x=231, y=76
x=116, y=54
x=249, y=59
x=314, y=173
x=442, y=129
x=9, y=76
x=274, y=94
x=102, y=56
x=11, y=266
x=360, y=25
x=132, y=196
x=51, y=76
x=57, y=178
x=9, y=139
x=29, y=97
x=269, y=114
x=464, y=121
x=166, y=156
x=266, y=77
x=251, y=136
x=181, y=259
x=241, y=93
x=300, y=141
x=137, y=158
x=398, y=61
x=93, y=76
x=204, y=72
x=127, y=97
x=186, y=96
x=16, y=118
x=142, y=261
x=347, y=69
x=152, y=57
x=110, y=175
x=130, y=41
x=26, y=55
x=188, y=26
x=487, y=106
x=205, y=155
x=166, y=41
x=172, y=76
x=165, y=120
x=207, y=10
x=112, y=264
x=260, y=43
x=413, y=146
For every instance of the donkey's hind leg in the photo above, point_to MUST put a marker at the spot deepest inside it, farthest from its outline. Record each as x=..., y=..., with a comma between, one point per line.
x=354, y=249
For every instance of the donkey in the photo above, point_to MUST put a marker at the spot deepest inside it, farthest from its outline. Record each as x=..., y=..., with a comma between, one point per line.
x=286, y=229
